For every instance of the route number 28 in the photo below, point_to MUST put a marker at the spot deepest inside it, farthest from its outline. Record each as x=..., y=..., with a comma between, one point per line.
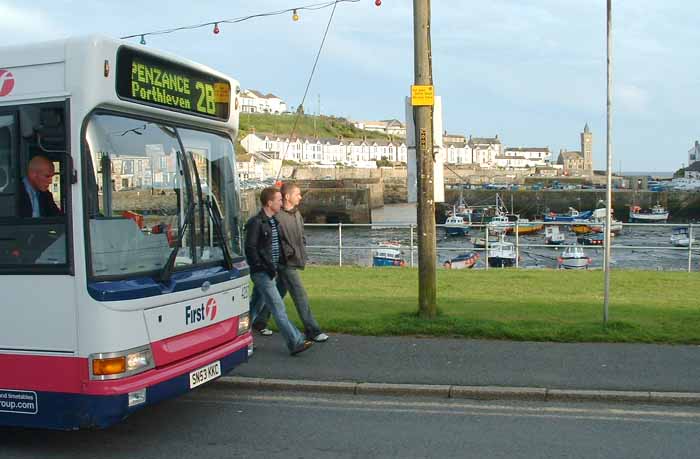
x=205, y=103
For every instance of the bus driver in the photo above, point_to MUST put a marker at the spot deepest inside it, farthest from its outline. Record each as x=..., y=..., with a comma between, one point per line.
x=35, y=199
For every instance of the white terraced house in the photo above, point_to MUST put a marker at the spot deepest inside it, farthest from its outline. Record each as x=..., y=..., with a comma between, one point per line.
x=253, y=101
x=324, y=150
x=533, y=156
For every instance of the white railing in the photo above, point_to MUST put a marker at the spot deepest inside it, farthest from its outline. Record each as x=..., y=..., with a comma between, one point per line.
x=482, y=230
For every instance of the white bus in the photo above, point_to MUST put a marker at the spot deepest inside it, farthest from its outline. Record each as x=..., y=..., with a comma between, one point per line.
x=132, y=288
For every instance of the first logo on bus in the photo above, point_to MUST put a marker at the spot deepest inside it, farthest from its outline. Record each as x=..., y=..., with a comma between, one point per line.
x=7, y=82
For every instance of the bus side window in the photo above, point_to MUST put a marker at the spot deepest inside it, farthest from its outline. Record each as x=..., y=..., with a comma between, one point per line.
x=7, y=198
x=29, y=241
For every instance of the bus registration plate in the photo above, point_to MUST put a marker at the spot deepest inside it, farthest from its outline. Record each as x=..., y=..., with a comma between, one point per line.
x=204, y=374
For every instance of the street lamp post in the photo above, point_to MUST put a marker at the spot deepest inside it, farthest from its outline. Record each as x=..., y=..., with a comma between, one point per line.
x=608, y=190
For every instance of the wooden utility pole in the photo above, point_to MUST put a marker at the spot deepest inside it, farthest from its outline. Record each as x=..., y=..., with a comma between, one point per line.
x=422, y=99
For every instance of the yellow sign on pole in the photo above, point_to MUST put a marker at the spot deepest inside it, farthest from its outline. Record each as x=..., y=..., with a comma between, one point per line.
x=422, y=95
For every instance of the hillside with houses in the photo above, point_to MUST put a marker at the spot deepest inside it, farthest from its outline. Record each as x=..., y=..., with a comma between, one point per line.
x=271, y=134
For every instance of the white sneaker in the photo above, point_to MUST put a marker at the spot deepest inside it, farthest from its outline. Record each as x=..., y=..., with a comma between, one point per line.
x=320, y=338
x=265, y=332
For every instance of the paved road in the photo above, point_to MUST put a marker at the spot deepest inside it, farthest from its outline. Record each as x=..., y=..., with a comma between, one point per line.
x=212, y=423
x=408, y=360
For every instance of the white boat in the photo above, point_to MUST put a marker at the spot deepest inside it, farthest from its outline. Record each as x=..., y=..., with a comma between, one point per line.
x=596, y=223
x=500, y=224
x=657, y=215
x=455, y=225
x=573, y=258
x=501, y=254
x=681, y=237
x=552, y=236
x=462, y=261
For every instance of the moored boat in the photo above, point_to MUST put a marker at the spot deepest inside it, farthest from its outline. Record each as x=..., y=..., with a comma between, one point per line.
x=596, y=224
x=456, y=225
x=500, y=224
x=462, y=261
x=680, y=237
x=591, y=239
x=501, y=254
x=573, y=258
x=570, y=216
x=525, y=226
x=388, y=254
x=552, y=236
x=657, y=214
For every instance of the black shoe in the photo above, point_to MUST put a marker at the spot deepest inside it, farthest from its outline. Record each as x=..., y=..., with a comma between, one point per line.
x=307, y=344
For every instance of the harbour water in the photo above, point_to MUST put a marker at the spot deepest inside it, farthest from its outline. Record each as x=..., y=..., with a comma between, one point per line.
x=647, y=247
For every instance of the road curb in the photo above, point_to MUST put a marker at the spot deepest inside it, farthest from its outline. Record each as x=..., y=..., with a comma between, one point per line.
x=455, y=391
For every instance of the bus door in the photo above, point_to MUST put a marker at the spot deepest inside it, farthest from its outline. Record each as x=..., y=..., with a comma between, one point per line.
x=38, y=307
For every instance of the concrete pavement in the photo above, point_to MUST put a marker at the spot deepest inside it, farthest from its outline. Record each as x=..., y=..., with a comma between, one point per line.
x=479, y=369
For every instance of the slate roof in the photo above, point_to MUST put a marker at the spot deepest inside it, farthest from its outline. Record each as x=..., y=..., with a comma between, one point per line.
x=525, y=149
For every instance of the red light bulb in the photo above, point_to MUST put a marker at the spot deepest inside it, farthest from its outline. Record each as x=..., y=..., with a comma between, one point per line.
x=216, y=29
x=378, y=2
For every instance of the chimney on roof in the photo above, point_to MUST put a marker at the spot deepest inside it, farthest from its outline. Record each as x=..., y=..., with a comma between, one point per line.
x=496, y=135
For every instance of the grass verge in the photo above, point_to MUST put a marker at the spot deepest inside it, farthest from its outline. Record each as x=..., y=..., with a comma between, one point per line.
x=521, y=305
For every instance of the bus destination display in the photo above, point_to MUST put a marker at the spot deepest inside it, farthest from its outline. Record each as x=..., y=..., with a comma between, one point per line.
x=155, y=81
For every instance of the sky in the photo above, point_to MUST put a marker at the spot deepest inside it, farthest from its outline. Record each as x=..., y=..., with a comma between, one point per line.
x=532, y=72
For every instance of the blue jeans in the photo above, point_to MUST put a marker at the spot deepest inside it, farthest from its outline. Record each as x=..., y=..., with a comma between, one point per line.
x=265, y=292
x=289, y=280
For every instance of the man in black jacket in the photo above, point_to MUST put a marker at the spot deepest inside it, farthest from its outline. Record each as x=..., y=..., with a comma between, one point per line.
x=264, y=254
x=288, y=278
x=34, y=198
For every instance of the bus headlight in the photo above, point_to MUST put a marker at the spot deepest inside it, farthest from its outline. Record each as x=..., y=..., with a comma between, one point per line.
x=243, y=323
x=114, y=365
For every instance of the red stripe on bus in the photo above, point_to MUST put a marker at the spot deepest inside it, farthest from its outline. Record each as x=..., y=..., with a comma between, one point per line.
x=43, y=373
x=179, y=347
x=159, y=375
x=70, y=374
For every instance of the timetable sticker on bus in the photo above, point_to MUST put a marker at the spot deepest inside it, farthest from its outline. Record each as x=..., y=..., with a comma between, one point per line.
x=152, y=80
x=18, y=401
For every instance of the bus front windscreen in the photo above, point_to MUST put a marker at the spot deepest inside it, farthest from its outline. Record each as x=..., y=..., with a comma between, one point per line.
x=159, y=198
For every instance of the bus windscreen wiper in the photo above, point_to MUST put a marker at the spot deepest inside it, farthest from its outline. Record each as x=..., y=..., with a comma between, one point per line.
x=168, y=268
x=215, y=215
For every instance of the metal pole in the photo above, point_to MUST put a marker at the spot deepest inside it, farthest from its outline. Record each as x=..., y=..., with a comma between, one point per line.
x=690, y=247
x=517, y=244
x=340, y=244
x=608, y=190
x=486, y=245
x=423, y=117
x=412, y=263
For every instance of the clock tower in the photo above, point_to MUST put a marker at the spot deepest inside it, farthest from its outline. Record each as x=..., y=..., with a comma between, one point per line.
x=587, y=150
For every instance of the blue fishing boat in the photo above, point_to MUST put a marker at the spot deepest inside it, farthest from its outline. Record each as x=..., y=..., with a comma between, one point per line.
x=570, y=216
x=388, y=254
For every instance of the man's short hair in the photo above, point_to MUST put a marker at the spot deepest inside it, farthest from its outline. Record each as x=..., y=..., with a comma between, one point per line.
x=288, y=187
x=268, y=194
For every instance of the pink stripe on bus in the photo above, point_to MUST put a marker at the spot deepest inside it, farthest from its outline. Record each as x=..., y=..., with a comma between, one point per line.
x=42, y=373
x=182, y=346
x=70, y=374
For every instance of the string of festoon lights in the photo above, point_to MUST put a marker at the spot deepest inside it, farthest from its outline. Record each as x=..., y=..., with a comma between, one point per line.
x=217, y=24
